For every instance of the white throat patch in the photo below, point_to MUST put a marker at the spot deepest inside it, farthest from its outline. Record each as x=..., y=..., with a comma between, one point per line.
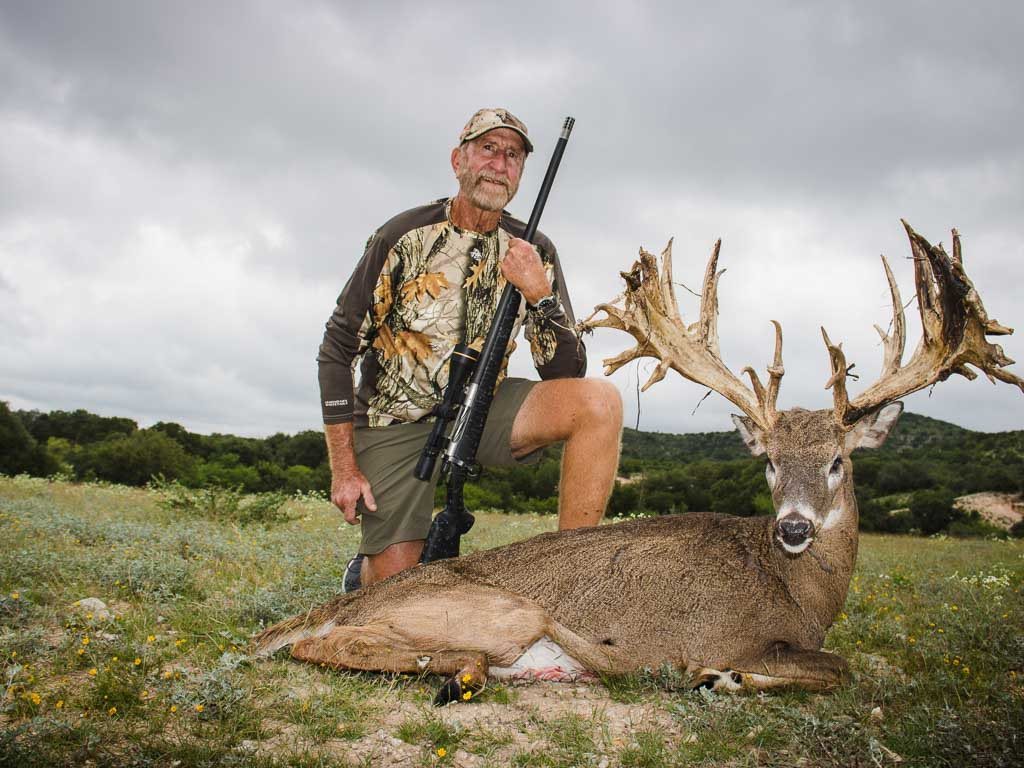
x=798, y=548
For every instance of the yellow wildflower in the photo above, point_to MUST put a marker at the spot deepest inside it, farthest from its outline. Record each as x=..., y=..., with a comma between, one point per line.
x=911, y=640
x=967, y=670
x=941, y=631
x=85, y=640
x=81, y=651
x=15, y=595
x=36, y=698
x=112, y=711
x=151, y=638
x=467, y=695
x=88, y=615
x=92, y=672
x=167, y=675
x=441, y=751
x=174, y=707
x=59, y=704
x=137, y=661
x=467, y=678
x=199, y=707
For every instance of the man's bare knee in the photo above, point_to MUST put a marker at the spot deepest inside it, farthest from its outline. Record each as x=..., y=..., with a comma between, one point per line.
x=600, y=404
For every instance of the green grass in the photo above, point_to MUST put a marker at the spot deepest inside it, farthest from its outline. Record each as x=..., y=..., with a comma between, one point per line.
x=933, y=630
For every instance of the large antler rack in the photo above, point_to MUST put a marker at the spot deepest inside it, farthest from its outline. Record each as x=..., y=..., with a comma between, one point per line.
x=650, y=314
x=954, y=326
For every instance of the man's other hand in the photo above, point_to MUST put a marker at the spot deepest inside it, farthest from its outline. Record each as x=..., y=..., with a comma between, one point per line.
x=522, y=267
x=346, y=492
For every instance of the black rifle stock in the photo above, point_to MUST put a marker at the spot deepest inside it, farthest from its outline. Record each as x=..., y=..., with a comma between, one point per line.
x=459, y=462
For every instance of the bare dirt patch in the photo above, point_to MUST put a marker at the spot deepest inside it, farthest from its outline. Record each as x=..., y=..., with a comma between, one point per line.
x=1000, y=509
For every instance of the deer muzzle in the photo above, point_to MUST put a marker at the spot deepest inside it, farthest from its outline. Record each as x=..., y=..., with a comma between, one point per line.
x=795, y=532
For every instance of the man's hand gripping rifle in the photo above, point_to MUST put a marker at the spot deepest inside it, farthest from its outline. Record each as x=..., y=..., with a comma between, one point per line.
x=469, y=404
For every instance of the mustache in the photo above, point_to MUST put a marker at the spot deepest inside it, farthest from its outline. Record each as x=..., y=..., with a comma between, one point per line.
x=493, y=180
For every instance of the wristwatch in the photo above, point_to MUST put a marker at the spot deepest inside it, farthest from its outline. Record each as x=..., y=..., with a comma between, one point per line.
x=546, y=306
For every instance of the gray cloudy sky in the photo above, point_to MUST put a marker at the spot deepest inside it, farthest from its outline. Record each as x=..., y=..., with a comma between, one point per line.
x=185, y=187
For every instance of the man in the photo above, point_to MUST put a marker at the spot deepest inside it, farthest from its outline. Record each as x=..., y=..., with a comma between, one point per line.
x=429, y=278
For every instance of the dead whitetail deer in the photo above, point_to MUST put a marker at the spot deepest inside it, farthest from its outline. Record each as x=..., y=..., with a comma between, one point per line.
x=733, y=601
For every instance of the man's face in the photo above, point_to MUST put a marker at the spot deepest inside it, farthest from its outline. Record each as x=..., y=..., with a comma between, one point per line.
x=489, y=168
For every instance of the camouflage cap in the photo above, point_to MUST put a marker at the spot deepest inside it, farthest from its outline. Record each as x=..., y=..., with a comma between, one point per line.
x=485, y=120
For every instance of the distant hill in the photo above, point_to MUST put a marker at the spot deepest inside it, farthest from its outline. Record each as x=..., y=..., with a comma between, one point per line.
x=912, y=432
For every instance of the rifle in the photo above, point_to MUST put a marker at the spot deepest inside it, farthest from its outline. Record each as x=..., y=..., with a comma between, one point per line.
x=469, y=404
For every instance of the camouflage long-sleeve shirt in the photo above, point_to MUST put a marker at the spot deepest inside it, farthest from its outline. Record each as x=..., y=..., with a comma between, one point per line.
x=423, y=285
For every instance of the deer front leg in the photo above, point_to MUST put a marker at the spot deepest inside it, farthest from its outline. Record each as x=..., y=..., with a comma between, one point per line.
x=782, y=667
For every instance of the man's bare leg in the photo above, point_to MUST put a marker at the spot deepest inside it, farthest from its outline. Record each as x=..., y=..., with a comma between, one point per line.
x=396, y=557
x=587, y=415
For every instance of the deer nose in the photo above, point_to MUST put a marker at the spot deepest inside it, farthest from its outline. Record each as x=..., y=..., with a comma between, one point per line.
x=794, y=529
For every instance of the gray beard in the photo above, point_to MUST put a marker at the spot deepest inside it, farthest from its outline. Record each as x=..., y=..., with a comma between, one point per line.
x=482, y=197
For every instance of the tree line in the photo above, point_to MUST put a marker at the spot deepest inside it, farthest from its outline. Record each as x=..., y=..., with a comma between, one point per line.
x=906, y=486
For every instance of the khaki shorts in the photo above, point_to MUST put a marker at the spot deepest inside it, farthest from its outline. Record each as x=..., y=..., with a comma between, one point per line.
x=388, y=455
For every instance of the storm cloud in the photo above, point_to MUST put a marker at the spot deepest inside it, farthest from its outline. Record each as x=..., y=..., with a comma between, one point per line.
x=184, y=188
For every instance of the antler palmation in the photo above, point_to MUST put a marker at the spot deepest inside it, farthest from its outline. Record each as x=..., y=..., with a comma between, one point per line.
x=954, y=326
x=651, y=315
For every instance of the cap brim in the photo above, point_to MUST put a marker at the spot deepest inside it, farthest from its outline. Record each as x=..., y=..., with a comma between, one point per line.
x=523, y=136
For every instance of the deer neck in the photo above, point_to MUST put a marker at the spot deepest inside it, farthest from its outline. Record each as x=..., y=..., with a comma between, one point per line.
x=819, y=578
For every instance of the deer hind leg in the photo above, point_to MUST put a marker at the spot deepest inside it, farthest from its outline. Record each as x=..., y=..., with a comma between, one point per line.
x=462, y=631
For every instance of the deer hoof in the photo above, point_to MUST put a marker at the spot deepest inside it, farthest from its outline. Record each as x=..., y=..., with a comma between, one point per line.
x=455, y=690
x=713, y=680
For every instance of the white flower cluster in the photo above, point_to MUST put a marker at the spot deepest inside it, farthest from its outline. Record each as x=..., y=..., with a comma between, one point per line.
x=997, y=578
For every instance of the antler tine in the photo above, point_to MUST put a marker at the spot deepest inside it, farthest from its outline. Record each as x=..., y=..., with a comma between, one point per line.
x=837, y=381
x=894, y=344
x=954, y=326
x=775, y=373
x=708, y=328
x=767, y=398
x=650, y=314
x=668, y=291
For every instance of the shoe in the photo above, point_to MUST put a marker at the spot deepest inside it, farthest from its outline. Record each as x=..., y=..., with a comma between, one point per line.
x=353, y=578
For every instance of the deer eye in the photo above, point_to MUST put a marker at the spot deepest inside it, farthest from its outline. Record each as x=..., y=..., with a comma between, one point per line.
x=837, y=465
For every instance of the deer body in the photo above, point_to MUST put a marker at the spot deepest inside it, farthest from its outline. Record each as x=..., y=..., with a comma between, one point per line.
x=683, y=590
x=732, y=601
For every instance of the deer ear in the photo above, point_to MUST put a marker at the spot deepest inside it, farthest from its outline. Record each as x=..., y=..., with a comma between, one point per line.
x=752, y=434
x=871, y=430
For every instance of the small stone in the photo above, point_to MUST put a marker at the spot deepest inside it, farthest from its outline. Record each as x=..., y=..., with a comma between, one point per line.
x=95, y=606
x=691, y=739
x=603, y=763
x=876, y=715
x=248, y=745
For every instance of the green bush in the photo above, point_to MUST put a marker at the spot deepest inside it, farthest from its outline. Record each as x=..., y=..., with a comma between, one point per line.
x=229, y=504
x=933, y=511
